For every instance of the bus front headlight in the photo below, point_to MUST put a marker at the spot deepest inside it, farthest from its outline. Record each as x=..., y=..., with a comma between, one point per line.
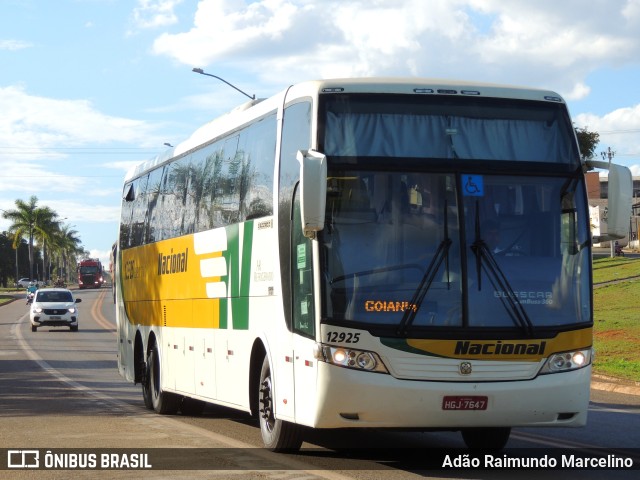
x=351, y=358
x=565, y=361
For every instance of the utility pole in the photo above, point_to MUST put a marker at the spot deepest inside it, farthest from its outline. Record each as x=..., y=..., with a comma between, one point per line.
x=608, y=155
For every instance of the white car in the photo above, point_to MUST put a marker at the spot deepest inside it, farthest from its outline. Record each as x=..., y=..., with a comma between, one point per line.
x=24, y=282
x=54, y=307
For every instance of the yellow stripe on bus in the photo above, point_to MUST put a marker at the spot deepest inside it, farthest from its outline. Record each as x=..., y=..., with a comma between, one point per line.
x=524, y=349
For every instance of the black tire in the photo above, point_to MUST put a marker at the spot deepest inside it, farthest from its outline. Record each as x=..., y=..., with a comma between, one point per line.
x=494, y=439
x=146, y=384
x=73, y=329
x=164, y=403
x=277, y=435
x=34, y=328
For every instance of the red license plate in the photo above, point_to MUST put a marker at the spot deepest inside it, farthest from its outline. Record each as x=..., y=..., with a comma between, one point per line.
x=459, y=402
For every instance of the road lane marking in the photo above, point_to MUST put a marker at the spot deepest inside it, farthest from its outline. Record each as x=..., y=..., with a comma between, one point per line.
x=96, y=313
x=149, y=417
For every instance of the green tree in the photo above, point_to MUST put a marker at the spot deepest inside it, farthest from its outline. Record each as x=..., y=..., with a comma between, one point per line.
x=23, y=220
x=33, y=223
x=587, y=142
x=7, y=258
x=46, y=228
x=65, y=249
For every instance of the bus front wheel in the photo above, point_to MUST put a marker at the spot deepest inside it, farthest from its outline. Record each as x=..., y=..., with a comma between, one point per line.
x=277, y=435
x=486, y=438
x=164, y=403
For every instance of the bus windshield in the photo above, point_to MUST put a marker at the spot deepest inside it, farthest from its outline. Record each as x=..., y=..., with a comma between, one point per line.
x=395, y=242
x=430, y=246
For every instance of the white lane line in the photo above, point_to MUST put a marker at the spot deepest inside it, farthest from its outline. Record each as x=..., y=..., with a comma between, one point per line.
x=169, y=423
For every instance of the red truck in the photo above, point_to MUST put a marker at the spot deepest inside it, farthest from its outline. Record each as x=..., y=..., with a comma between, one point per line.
x=90, y=273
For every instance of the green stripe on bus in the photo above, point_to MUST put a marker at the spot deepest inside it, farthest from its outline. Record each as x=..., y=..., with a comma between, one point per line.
x=239, y=276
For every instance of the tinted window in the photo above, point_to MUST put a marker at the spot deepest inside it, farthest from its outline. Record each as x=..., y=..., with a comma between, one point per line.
x=227, y=181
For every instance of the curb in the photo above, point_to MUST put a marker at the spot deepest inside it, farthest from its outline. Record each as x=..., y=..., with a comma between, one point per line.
x=615, y=385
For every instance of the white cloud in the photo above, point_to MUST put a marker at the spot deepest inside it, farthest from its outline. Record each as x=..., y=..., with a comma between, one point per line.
x=80, y=211
x=155, y=13
x=123, y=166
x=13, y=45
x=33, y=122
x=48, y=146
x=619, y=129
x=103, y=255
x=631, y=11
x=543, y=43
x=580, y=90
x=25, y=176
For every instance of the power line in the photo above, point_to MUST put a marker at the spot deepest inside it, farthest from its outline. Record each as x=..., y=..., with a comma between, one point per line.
x=58, y=176
x=612, y=132
x=76, y=148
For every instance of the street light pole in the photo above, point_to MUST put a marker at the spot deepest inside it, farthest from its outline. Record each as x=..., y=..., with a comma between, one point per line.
x=201, y=72
x=608, y=155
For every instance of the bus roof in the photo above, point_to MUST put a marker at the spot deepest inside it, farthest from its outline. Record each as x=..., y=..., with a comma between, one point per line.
x=384, y=85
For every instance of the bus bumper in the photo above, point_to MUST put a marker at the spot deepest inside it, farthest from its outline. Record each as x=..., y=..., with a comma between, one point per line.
x=350, y=398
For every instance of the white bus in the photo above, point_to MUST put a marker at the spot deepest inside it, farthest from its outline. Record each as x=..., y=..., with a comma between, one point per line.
x=376, y=253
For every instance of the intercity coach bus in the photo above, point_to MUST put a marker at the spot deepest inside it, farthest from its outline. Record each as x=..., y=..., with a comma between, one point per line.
x=376, y=253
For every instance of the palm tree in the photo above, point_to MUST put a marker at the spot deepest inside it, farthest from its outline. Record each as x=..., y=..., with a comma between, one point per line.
x=46, y=227
x=66, y=247
x=24, y=220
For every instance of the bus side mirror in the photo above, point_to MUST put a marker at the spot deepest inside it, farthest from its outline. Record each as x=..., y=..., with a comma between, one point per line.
x=620, y=194
x=313, y=191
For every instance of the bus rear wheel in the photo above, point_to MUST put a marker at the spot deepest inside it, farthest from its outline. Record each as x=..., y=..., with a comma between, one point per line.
x=277, y=435
x=486, y=438
x=164, y=403
x=146, y=384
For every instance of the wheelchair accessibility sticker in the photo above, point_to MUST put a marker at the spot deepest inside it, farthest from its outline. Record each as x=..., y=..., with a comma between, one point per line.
x=472, y=186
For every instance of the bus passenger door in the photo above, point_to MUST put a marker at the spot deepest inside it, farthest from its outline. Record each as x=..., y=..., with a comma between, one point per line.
x=303, y=312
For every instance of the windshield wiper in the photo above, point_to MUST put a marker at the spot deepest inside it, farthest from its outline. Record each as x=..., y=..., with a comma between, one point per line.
x=442, y=254
x=485, y=261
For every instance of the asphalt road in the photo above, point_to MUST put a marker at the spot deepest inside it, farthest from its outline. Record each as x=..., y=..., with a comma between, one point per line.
x=61, y=390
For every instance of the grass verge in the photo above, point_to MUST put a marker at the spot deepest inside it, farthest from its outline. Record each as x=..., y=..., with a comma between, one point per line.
x=616, y=318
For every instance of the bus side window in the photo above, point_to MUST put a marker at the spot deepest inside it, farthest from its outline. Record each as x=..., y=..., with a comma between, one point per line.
x=128, y=197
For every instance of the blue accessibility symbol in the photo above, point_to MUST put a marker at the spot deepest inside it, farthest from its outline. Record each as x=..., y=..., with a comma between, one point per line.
x=472, y=185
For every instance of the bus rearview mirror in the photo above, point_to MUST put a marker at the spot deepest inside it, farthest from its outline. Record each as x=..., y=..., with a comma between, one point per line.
x=620, y=194
x=313, y=190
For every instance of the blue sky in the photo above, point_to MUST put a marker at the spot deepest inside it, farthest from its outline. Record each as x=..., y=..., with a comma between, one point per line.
x=90, y=87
